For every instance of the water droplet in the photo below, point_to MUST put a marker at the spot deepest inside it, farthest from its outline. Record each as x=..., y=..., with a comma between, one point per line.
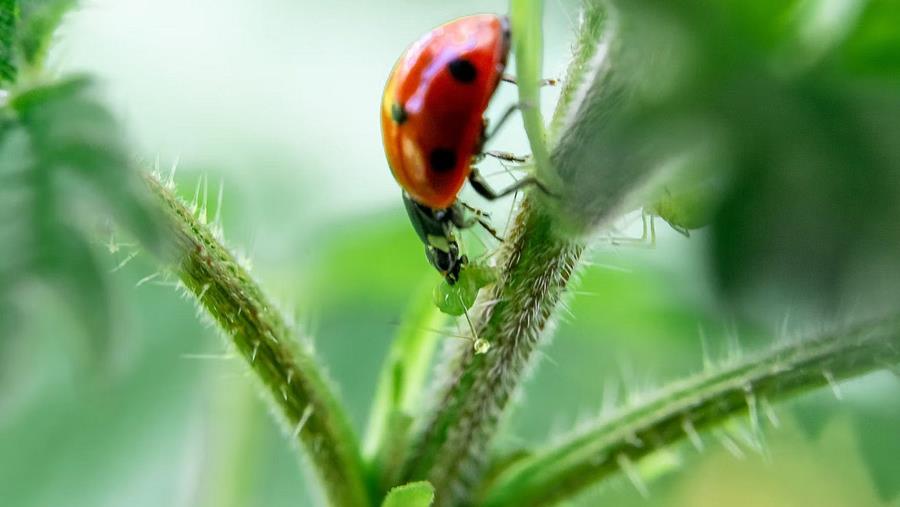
x=481, y=346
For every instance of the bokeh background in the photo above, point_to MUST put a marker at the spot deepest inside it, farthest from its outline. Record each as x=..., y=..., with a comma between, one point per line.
x=277, y=103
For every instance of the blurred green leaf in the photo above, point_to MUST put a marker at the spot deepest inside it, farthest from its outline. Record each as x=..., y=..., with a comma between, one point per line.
x=873, y=408
x=72, y=130
x=872, y=49
x=801, y=181
x=813, y=412
x=8, y=13
x=62, y=160
x=38, y=21
x=808, y=218
x=73, y=269
x=811, y=214
x=401, y=384
x=876, y=430
x=414, y=494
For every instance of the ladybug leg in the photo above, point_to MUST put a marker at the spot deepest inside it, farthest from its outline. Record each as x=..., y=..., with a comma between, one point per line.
x=475, y=211
x=544, y=82
x=506, y=116
x=460, y=220
x=481, y=186
x=508, y=157
x=493, y=232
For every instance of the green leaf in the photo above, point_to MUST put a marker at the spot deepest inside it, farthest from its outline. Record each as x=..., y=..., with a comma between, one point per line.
x=876, y=430
x=72, y=130
x=813, y=412
x=8, y=13
x=872, y=48
x=801, y=180
x=76, y=273
x=401, y=384
x=38, y=21
x=414, y=494
x=808, y=221
x=872, y=406
x=63, y=163
x=17, y=239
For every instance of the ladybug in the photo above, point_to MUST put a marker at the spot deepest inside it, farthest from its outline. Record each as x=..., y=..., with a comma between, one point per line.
x=433, y=128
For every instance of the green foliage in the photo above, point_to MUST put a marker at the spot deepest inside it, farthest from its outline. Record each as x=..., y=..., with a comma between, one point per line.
x=766, y=120
x=871, y=424
x=26, y=30
x=788, y=116
x=9, y=10
x=873, y=409
x=38, y=22
x=63, y=161
x=399, y=393
x=872, y=45
x=414, y=494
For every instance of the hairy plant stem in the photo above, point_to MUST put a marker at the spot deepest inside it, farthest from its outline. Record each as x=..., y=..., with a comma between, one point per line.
x=291, y=378
x=685, y=408
x=536, y=267
x=536, y=263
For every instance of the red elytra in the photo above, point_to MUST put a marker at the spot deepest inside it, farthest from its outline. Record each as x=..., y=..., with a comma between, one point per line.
x=433, y=105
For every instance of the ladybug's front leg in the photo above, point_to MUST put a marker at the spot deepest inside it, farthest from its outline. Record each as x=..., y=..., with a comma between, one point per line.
x=462, y=221
x=486, y=136
x=509, y=157
x=544, y=82
x=481, y=186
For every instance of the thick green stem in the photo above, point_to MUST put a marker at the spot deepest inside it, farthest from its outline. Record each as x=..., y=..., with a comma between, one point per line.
x=536, y=267
x=537, y=263
x=289, y=374
x=685, y=408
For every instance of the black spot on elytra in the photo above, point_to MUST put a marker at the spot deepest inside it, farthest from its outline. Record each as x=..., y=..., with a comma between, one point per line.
x=462, y=70
x=398, y=114
x=442, y=159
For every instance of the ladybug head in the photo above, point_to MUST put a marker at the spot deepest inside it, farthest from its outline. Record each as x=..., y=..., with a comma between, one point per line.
x=448, y=262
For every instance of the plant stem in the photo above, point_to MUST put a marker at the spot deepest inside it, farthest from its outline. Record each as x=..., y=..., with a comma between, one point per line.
x=294, y=382
x=537, y=263
x=685, y=408
x=536, y=267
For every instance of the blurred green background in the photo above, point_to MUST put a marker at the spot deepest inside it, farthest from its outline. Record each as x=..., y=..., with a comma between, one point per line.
x=277, y=101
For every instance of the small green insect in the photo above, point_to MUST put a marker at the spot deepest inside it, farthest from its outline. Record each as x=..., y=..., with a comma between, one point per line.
x=687, y=208
x=456, y=299
x=690, y=198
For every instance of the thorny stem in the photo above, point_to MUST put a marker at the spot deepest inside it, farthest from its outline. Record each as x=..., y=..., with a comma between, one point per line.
x=692, y=405
x=295, y=385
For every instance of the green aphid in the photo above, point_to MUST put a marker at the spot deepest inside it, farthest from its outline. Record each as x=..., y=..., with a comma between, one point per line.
x=457, y=298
